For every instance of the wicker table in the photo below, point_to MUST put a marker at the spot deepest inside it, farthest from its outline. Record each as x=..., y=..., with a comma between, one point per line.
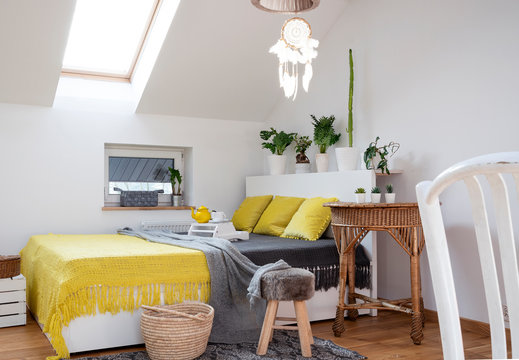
x=351, y=222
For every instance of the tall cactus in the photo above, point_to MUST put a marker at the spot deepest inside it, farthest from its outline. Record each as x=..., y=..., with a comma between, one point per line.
x=349, y=130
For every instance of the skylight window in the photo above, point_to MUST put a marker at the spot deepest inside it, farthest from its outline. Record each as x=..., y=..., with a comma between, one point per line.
x=107, y=36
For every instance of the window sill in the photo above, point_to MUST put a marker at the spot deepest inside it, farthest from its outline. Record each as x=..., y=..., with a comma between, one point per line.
x=123, y=208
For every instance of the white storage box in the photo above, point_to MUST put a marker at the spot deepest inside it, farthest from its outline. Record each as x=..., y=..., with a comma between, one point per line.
x=12, y=301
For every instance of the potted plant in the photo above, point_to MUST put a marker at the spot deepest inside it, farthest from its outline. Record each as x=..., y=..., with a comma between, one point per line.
x=390, y=195
x=375, y=194
x=348, y=157
x=175, y=178
x=324, y=137
x=375, y=157
x=360, y=195
x=302, y=161
x=280, y=141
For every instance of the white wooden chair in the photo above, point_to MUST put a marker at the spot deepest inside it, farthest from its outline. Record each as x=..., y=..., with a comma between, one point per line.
x=492, y=166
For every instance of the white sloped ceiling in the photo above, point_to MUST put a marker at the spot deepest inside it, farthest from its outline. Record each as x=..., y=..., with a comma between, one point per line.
x=33, y=36
x=215, y=62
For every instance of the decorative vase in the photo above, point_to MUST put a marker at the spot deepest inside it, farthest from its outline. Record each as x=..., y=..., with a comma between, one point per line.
x=321, y=161
x=390, y=197
x=302, y=168
x=277, y=164
x=176, y=199
x=375, y=198
x=360, y=198
x=347, y=158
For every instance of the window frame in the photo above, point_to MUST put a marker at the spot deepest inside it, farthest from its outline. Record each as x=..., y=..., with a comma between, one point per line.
x=143, y=151
x=99, y=75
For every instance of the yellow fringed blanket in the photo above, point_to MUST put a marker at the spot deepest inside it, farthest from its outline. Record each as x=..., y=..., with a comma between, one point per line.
x=69, y=276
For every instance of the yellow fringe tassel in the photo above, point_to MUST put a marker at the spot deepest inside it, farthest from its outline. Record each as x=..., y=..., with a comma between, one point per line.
x=113, y=300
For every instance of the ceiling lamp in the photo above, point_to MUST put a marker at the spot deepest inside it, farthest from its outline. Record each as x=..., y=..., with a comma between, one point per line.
x=286, y=6
x=295, y=46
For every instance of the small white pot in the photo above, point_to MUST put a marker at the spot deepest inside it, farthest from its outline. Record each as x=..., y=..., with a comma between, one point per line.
x=375, y=198
x=360, y=198
x=390, y=198
x=321, y=161
x=277, y=164
x=347, y=158
x=302, y=168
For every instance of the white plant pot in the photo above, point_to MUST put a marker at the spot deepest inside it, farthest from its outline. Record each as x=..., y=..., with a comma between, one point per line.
x=321, y=161
x=347, y=158
x=277, y=164
x=360, y=198
x=375, y=198
x=390, y=198
x=302, y=168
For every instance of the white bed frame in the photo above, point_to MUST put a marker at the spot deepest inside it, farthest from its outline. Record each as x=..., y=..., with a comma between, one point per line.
x=106, y=330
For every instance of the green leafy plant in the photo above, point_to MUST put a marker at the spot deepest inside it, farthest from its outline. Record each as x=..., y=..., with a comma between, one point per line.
x=360, y=191
x=389, y=188
x=349, y=129
x=384, y=152
x=324, y=133
x=302, y=144
x=175, y=177
x=279, y=142
x=375, y=190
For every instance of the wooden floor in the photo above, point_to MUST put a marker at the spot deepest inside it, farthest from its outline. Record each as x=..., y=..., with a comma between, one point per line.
x=383, y=337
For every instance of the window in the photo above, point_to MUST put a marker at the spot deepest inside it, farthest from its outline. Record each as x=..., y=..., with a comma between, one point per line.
x=107, y=36
x=142, y=168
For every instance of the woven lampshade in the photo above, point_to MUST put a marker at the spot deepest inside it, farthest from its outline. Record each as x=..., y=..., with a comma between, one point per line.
x=285, y=6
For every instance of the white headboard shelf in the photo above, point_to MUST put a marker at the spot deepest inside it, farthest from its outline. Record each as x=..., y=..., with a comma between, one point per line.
x=328, y=184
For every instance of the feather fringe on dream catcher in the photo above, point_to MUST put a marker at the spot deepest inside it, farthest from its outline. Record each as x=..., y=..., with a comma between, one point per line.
x=295, y=47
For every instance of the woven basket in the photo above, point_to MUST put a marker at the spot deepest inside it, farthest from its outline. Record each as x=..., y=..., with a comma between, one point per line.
x=179, y=331
x=9, y=266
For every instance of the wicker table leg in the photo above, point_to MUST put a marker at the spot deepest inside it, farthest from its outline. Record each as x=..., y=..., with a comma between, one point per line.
x=417, y=319
x=353, y=314
x=338, y=324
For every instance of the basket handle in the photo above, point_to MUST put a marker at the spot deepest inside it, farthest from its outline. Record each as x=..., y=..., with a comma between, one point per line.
x=198, y=316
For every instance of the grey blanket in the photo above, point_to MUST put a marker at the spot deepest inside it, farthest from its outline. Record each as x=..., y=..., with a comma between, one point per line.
x=235, y=321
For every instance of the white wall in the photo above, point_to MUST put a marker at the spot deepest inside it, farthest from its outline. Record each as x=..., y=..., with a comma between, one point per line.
x=441, y=78
x=52, y=165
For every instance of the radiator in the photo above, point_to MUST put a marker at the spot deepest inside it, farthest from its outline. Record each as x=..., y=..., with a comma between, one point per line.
x=176, y=226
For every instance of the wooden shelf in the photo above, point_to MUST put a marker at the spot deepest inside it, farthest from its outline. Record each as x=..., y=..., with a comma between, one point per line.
x=124, y=208
x=392, y=172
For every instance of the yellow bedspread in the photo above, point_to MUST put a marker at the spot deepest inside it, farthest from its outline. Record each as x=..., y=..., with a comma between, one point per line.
x=73, y=275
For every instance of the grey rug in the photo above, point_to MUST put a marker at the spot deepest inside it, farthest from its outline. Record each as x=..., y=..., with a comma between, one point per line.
x=284, y=345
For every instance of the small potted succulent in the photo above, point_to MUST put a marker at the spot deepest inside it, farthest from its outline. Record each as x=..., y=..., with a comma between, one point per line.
x=360, y=195
x=176, y=193
x=324, y=137
x=280, y=141
x=302, y=161
x=375, y=194
x=390, y=195
x=375, y=156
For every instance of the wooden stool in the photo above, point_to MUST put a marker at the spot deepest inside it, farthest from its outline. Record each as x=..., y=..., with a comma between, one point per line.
x=297, y=285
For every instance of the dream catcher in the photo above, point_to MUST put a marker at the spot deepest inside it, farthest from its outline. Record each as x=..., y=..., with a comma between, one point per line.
x=295, y=47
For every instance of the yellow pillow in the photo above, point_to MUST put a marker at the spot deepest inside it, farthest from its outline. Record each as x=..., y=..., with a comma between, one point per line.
x=250, y=211
x=277, y=215
x=310, y=221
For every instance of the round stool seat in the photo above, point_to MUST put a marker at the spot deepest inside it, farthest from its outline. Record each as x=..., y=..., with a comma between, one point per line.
x=288, y=285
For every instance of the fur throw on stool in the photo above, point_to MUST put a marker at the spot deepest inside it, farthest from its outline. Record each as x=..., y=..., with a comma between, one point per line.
x=288, y=285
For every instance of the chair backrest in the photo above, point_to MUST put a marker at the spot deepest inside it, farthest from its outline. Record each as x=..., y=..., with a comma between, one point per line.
x=491, y=166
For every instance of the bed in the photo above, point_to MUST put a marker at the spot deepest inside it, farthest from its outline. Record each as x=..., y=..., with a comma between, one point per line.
x=121, y=328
